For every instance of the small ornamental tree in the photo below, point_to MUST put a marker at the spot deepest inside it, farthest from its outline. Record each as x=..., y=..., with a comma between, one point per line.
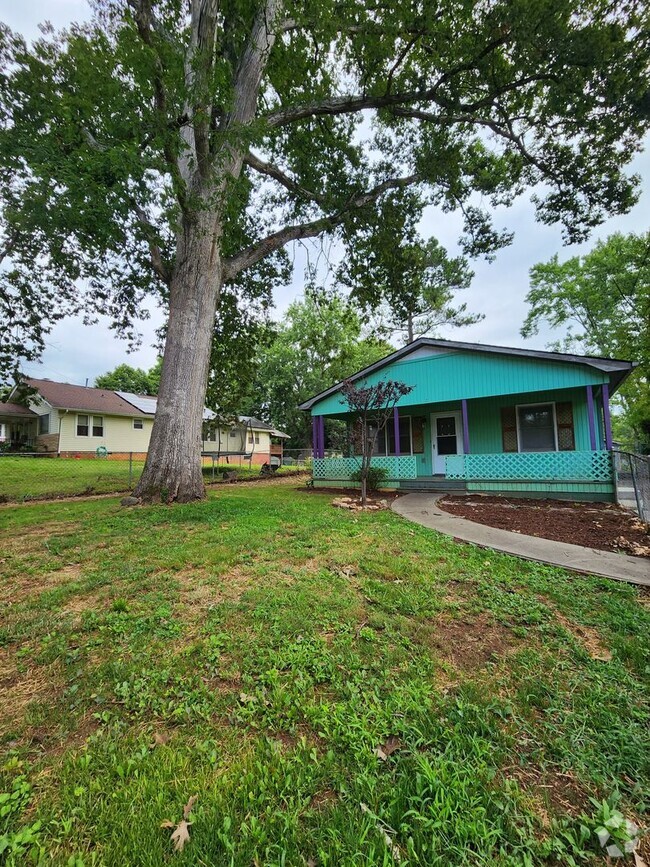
x=373, y=407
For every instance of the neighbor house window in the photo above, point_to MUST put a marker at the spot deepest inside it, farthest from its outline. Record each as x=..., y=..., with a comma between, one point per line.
x=257, y=438
x=233, y=432
x=82, y=425
x=44, y=424
x=138, y=424
x=250, y=439
x=98, y=426
x=536, y=428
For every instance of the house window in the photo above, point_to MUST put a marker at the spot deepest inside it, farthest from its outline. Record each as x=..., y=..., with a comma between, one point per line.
x=233, y=432
x=44, y=424
x=98, y=426
x=536, y=428
x=386, y=440
x=257, y=438
x=250, y=439
x=82, y=425
x=138, y=424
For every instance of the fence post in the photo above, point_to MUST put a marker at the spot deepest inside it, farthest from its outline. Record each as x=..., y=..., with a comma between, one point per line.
x=130, y=469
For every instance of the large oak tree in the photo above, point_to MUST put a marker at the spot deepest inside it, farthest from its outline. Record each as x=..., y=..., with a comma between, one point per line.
x=176, y=148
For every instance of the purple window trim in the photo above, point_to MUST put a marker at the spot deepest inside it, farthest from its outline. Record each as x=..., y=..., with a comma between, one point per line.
x=463, y=406
x=314, y=435
x=396, y=429
x=606, y=418
x=591, y=417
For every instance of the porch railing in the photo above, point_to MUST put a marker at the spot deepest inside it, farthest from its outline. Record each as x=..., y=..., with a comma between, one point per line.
x=532, y=466
x=340, y=469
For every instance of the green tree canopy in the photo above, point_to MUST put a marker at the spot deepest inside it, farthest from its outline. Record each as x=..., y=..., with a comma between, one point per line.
x=319, y=342
x=127, y=378
x=602, y=300
x=175, y=149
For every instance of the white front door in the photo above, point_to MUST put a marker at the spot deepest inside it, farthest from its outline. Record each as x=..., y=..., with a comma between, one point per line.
x=446, y=438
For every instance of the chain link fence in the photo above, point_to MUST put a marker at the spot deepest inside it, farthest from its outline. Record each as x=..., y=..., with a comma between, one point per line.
x=304, y=457
x=632, y=474
x=28, y=476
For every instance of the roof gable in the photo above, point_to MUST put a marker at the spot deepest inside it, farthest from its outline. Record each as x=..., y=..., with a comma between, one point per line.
x=445, y=370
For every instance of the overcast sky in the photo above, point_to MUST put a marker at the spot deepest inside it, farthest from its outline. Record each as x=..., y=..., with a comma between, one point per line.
x=76, y=353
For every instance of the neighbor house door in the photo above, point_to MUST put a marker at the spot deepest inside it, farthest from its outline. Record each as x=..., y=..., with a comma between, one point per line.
x=446, y=438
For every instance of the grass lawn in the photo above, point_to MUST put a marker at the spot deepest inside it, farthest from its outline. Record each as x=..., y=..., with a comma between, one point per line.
x=28, y=478
x=335, y=688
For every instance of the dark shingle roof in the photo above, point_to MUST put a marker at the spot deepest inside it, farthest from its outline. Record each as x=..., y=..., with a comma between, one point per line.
x=65, y=396
x=16, y=409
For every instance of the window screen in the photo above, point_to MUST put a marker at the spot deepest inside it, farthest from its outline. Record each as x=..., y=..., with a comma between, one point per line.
x=82, y=425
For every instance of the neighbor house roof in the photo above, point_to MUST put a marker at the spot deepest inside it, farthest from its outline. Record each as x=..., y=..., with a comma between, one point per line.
x=617, y=368
x=62, y=395
x=15, y=409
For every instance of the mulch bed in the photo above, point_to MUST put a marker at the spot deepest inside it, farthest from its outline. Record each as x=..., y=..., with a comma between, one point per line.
x=594, y=525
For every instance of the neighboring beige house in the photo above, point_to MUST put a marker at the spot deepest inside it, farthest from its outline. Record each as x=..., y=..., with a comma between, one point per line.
x=74, y=420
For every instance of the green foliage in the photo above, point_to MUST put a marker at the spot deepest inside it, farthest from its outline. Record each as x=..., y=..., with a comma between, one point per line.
x=602, y=300
x=132, y=379
x=319, y=342
x=376, y=476
x=110, y=151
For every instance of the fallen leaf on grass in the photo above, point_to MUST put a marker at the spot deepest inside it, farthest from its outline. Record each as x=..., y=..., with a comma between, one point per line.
x=390, y=745
x=159, y=740
x=181, y=835
x=187, y=809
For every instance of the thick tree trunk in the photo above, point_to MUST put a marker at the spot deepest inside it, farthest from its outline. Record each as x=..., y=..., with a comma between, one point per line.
x=173, y=469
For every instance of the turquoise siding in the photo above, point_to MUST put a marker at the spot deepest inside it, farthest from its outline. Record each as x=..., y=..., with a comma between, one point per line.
x=484, y=417
x=442, y=379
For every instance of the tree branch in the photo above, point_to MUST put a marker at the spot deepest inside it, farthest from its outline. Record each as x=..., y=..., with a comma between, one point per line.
x=275, y=172
x=160, y=267
x=144, y=20
x=258, y=251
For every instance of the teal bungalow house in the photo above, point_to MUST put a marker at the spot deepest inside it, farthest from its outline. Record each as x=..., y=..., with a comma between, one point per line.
x=486, y=418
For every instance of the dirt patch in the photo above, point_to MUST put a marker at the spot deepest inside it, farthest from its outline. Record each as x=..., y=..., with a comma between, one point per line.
x=552, y=791
x=24, y=586
x=587, y=636
x=594, y=525
x=323, y=799
x=470, y=644
x=199, y=590
x=18, y=689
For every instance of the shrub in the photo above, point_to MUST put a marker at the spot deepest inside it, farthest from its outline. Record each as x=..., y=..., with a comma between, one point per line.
x=376, y=477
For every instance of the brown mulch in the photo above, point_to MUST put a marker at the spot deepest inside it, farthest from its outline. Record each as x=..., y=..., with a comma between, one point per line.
x=595, y=525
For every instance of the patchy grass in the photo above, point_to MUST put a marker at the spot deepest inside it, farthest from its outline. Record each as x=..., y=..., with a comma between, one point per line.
x=29, y=478
x=345, y=688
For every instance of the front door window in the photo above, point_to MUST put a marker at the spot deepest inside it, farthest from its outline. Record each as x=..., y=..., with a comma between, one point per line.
x=446, y=435
x=445, y=429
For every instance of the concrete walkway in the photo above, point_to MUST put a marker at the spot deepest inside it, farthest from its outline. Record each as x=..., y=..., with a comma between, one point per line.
x=423, y=509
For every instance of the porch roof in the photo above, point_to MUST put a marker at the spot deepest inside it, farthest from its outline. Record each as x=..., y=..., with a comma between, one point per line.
x=15, y=410
x=446, y=370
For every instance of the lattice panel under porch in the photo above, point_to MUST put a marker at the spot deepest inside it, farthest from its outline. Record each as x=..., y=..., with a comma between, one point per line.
x=340, y=469
x=532, y=466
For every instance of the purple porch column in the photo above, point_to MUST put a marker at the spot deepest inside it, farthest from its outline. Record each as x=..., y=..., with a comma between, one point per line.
x=591, y=417
x=322, y=436
x=463, y=406
x=396, y=429
x=606, y=418
x=314, y=435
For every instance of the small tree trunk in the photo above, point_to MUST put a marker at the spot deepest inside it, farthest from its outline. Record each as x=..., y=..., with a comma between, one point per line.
x=173, y=470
